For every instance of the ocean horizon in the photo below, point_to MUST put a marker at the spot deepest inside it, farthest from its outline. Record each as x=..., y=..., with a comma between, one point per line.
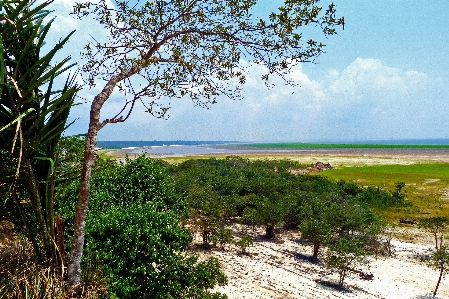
x=131, y=144
x=110, y=144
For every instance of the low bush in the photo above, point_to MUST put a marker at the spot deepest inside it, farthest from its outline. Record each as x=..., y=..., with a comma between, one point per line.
x=134, y=231
x=244, y=242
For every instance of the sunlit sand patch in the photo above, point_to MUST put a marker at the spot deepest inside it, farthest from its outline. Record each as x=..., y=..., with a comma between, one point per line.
x=429, y=181
x=273, y=270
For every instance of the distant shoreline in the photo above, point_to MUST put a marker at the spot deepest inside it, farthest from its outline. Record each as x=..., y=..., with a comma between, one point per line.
x=233, y=145
x=186, y=149
x=416, y=154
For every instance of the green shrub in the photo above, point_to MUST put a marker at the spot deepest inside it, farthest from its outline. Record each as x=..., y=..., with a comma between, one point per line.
x=267, y=212
x=140, y=249
x=134, y=230
x=243, y=243
x=222, y=237
x=344, y=255
x=439, y=260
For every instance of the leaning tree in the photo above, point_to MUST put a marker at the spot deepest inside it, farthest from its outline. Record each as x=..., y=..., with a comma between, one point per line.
x=185, y=48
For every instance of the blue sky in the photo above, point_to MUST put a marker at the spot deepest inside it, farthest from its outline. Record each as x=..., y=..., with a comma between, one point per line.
x=385, y=77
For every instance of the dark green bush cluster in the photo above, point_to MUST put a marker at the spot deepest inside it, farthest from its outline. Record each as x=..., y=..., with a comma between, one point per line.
x=267, y=193
x=134, y=229
x=374, y=196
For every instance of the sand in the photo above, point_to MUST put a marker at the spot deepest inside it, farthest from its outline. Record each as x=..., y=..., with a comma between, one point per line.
x=281, y=269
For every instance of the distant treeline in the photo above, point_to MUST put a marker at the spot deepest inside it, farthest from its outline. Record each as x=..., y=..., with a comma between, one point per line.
x=298, y=146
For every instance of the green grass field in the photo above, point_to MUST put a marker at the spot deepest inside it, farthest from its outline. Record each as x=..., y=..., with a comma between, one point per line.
x=426, y=186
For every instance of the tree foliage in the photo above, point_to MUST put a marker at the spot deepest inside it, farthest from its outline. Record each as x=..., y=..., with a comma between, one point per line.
x=266, y=193
x=185, y=48
x=198, y=43
x=316, y=222
x=134, y=230
x=257, y=192
x=343, y=255
x=208, y=213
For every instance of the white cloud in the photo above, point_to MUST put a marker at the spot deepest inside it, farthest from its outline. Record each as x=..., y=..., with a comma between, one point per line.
x=346, y=105
x=365, y=78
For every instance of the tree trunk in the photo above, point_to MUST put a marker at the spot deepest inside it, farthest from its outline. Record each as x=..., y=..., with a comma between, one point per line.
x=269, y=232
x=390, y=237
x=205, y=238
x=50, y=197
x=342, y=277
x=316, y=248
x=76, y=252
x=439, y=280
x=436, y=240
x=60, y=241
x=35, y=198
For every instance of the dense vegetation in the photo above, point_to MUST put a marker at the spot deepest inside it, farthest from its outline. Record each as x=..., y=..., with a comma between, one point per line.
x=135, y=226
x=134, y=229
x=144, y=213
x=225, y=192
x=137, y=210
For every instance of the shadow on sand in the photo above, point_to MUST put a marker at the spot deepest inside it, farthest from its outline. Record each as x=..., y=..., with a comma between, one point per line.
x=332, y=285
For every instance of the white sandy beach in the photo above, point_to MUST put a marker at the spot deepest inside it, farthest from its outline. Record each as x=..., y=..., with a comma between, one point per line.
x=281, y=270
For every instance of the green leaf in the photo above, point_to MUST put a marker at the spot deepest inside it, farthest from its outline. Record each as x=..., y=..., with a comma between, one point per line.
x=18, y=118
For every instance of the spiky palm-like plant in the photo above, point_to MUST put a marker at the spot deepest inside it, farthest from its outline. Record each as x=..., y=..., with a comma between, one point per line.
x=33, y=114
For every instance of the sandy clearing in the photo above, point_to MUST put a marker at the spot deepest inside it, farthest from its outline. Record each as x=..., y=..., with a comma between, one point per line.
x=281, y=270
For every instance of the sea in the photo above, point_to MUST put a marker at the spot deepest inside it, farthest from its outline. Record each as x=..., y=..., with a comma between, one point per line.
x=169, y=148
x=185, y=147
